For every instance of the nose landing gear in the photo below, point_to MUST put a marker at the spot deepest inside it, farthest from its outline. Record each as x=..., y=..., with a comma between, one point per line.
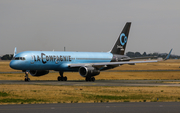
x=27, y=79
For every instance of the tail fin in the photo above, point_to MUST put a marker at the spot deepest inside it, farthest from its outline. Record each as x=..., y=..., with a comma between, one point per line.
x=120, y=46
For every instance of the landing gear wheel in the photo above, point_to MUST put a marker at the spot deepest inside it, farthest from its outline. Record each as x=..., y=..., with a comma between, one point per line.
x=87, y=78
x=62, y=78
x=27, y=79
x=59, y=78
x=65, y=78
x=93, y=79
x=90, y=79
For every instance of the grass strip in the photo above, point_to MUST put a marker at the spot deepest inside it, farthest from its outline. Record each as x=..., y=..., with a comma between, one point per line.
x=3, y=94
x=78, y=94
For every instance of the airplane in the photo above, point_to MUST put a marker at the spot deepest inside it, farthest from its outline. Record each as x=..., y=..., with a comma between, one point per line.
x=88, y=64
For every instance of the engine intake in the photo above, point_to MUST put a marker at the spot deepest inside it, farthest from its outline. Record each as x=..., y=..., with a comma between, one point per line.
x=38, y=72
x=88, y=71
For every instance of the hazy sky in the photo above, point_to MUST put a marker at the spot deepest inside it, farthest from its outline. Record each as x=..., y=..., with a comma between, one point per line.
x=89, y=25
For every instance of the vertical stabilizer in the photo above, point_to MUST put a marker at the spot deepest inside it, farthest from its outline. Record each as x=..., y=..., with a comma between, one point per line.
x=120, y=45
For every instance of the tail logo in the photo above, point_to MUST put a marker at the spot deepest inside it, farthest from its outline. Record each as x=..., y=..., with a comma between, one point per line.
x=123, y=39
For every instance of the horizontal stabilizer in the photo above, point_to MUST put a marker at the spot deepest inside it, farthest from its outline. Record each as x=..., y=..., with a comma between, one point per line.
x=145, y=57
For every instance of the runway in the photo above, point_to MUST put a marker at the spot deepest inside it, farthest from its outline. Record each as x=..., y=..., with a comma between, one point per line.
x=125, y=107
x=98, y=82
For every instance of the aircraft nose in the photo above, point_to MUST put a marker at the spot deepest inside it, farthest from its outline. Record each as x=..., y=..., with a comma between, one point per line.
x=13, y=64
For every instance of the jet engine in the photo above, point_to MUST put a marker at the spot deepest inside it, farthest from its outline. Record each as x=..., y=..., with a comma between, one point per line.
x=38, y=72
x=88, y=71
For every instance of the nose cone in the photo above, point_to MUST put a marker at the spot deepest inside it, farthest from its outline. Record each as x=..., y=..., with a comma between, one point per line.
x=13, y=64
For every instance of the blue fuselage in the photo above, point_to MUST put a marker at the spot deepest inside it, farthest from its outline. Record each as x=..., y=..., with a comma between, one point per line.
x=58, y=61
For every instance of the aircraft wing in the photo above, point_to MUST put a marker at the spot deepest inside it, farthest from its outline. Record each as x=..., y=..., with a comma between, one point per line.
x=145, y=57
x=109, y=63
x=114, y=63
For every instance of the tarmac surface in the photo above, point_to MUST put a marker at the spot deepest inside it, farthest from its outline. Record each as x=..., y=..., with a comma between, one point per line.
x=97, y=82
x=125, y=107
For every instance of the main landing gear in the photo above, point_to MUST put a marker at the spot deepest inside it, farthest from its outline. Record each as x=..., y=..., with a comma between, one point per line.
x=61, y=78
x=90, y=79
x=27, y=79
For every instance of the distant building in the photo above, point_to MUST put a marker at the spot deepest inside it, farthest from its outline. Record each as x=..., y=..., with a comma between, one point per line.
x=160, y=58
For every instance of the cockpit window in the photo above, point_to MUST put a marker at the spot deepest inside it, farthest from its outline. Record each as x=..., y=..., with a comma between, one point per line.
x=18, y=58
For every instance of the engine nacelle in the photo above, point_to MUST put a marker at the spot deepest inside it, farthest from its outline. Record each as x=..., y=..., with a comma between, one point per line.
x=88, y=71
x=38, y=72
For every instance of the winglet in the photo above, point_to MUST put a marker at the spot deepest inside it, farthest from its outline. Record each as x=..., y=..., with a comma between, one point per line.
x=14, y=52
x=167, y=57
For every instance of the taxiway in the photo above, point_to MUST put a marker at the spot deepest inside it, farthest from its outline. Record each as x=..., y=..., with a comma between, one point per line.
x=97, y=82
